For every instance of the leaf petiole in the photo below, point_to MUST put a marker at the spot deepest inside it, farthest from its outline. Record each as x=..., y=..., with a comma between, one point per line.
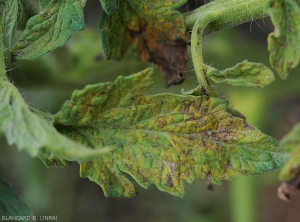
x=214, y=16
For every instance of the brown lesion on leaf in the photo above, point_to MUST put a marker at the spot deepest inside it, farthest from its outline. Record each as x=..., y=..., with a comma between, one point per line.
x=229, y=165
x=288, y=188
x=156, y=36
x=170, y=56
x=172, y=59
x=170, y=181
x=207, y=176
x=137, y=33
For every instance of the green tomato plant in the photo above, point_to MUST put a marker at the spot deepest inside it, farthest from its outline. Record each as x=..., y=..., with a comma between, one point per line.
x=166, y=139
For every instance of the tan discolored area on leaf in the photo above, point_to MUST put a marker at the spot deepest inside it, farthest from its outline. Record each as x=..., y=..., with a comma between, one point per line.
x=155, y=32
x=164, y=139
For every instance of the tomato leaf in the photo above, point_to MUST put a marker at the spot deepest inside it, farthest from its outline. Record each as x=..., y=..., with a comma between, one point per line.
x=155, y=32
x=283, y=43
x=291, y=143
x=243, y=74
x=110, y=6
x=28, y=131
x=290, y=173
x=55, y=24
x=10, y=202
x=12, y=17
x=163, y=139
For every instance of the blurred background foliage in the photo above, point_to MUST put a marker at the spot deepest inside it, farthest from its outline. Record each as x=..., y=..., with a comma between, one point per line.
x=49, y=81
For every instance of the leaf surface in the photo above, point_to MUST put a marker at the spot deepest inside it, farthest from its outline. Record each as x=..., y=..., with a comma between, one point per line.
x=163, y=139
x=110, y=6
x=57, y=21
x=10, y=202
x=284, y=42
x=12, y=17
x=243, y=74
x=290, y=173
x=291, y=143
x=154, y=30
x=28, y=131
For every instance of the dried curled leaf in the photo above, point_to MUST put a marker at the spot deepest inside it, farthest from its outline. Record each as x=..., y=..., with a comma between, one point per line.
x=156, y=33
x=163, y=139
x=243, y=74
x=12, y=18
x=30, y=132
x=286, y=189
x=284, y=42
x=57, y=21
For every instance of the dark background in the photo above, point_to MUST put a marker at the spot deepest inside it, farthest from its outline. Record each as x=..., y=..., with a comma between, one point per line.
x=47, y=82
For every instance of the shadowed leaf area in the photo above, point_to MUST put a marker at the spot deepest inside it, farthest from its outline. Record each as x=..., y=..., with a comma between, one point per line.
x=164, y=139
x=57, y=21
x=283, y=43
x=155, y=32
x=10, y=202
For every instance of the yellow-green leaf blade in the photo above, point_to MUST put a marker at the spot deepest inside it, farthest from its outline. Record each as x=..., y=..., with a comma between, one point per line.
x=291, y=143
x=31, y=133
x=243, y=74
x=55, y=24
x=165, y=139
x=283, y=43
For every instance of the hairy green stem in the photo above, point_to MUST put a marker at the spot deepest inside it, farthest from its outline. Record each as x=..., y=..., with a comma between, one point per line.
x=2, y=63
x=196, y=49
x=227, y=13
x=214, y=16
x=244, y=11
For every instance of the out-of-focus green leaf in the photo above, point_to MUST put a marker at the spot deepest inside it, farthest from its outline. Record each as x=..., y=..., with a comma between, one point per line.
x=12, y=17
x=243, y=74
x=2, y=63
x=291, y=143
x=110, y=6
x=155, y=31
x=28, y=131
x=11, y=204
x=163, y=139
x=57, y=21
x=284, y=42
